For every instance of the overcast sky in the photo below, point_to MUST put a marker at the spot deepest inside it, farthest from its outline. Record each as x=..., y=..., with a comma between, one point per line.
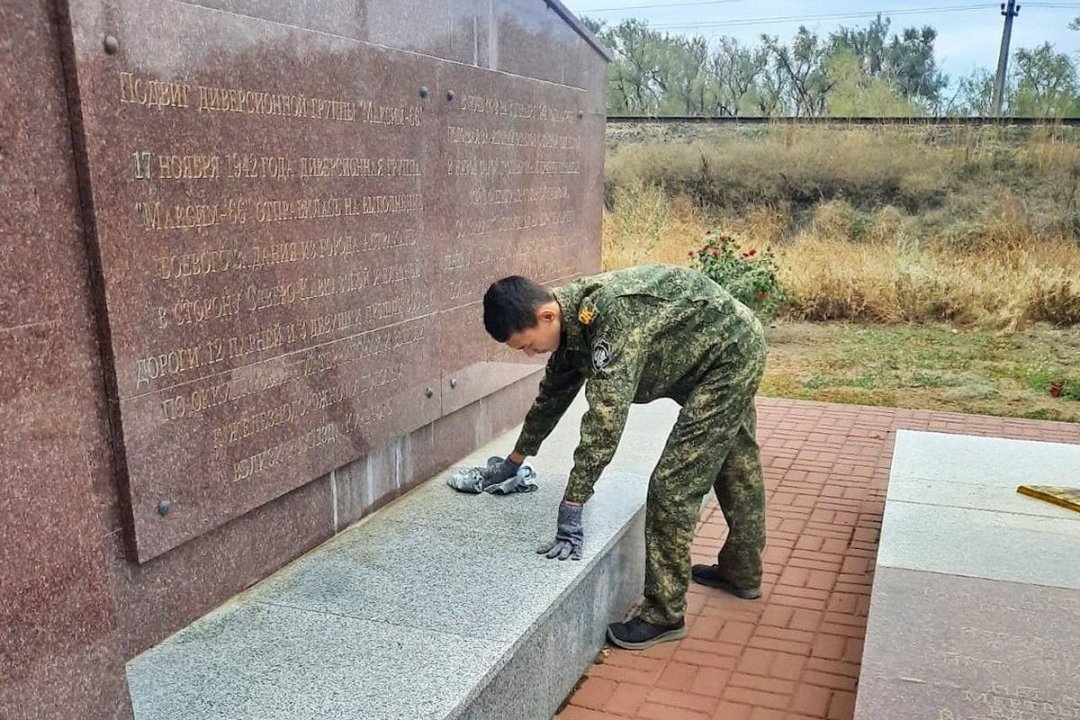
x=969, y=31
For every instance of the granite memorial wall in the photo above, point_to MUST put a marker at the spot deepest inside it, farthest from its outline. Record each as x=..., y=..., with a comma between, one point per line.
x=246, y=244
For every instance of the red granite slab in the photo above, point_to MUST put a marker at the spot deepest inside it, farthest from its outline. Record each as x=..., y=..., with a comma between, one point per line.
x=59, y=654
x=291, y=260
x=945, y=646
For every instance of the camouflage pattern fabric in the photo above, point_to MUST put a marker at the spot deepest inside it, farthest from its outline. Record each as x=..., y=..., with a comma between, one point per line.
x=649, y=332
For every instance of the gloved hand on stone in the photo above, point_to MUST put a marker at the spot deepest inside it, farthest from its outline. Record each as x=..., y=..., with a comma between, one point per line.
x=498, y=471
x=498, y=477
x=569, y=537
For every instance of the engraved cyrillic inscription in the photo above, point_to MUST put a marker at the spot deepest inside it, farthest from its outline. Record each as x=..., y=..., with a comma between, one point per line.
x=150, y=92
x=516, y=109
x=280, y=224
x=356, y=167
x=210, y=261
x=143, y=89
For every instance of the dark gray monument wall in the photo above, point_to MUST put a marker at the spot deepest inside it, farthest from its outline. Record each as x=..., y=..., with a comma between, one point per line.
x=242, y=311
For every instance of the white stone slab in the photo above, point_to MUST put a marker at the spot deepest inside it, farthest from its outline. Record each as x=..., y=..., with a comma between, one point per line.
x=998, y=462
x=952, y=507
x=977, y=543
x=991, y=498
x=250, y=661
x=434, y=607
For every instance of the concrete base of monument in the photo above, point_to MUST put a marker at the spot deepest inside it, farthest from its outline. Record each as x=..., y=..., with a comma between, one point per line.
x=436, y=606
x=977, y=588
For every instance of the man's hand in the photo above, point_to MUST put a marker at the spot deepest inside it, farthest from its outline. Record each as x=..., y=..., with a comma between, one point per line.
x=570, y=536
x=498, y=472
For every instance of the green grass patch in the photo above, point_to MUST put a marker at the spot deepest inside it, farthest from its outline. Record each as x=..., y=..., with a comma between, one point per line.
x=1041, y=379
x=928, y=367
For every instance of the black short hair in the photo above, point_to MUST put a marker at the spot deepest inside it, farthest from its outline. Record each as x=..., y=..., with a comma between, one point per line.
x=510, y=306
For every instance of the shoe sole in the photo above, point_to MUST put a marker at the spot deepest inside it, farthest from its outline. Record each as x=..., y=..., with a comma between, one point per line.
x=669, y=636
x=727, y=587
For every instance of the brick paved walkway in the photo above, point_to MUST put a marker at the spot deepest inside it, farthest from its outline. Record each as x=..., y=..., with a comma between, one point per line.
x=794, y=654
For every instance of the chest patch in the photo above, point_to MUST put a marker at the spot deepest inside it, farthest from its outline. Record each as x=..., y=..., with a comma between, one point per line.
x=601, y=354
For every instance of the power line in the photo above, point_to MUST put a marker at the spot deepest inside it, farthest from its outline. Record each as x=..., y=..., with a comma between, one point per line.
x=834, y=16
x=660, y=5
x=807, y=18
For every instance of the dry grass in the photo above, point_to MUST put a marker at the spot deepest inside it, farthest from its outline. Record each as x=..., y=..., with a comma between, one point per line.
x=1008, y=288
x=974, y=228
x=646, y=226
x=785, y=164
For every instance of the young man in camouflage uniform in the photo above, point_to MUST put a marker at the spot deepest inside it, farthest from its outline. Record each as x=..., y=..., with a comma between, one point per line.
x=633, y=336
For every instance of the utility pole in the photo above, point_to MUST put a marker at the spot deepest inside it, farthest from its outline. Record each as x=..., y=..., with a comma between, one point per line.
x=1010, y=10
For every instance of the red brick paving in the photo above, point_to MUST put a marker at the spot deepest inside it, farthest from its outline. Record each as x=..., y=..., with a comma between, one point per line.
x=794, y=654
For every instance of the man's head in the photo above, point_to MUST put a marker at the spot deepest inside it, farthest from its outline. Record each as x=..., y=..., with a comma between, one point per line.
x=524, y=315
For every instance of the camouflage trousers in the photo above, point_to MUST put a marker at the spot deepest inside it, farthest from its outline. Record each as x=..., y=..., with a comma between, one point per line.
x=713, y=444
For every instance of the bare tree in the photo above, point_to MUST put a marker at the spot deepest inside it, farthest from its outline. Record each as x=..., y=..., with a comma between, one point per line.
x=803, y=65
x=735, y=69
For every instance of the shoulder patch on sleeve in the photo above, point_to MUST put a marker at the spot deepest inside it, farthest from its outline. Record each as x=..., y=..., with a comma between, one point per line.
x=601, y=354
x=587, y=314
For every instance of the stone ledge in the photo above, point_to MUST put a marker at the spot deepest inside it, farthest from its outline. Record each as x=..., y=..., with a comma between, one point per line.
x=435, y=607
x=975, y=590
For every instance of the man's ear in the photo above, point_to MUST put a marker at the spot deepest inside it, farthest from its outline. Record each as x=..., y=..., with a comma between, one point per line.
x=547, y=314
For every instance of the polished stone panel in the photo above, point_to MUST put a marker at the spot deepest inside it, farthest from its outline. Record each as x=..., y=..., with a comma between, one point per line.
x=358, y=405
x=977, y=543
x=281, y=323
x=518, y=177
x=59, y=658
x=950, y=648
x=454, y=30
x=475, y=365
x=534, y=40
x=292, y=260
x=952, y=507
x=992, y=498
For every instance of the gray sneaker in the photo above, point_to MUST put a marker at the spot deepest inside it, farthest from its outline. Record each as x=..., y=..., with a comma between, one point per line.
x=712, y=576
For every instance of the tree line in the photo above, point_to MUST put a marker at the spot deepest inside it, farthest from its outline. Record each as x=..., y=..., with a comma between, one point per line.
x=859, y=71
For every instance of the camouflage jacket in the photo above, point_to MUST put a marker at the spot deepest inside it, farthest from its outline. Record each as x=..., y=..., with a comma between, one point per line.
x=634, y=335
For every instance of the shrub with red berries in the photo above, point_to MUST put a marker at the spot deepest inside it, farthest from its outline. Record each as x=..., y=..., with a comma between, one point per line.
x=749, y=275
